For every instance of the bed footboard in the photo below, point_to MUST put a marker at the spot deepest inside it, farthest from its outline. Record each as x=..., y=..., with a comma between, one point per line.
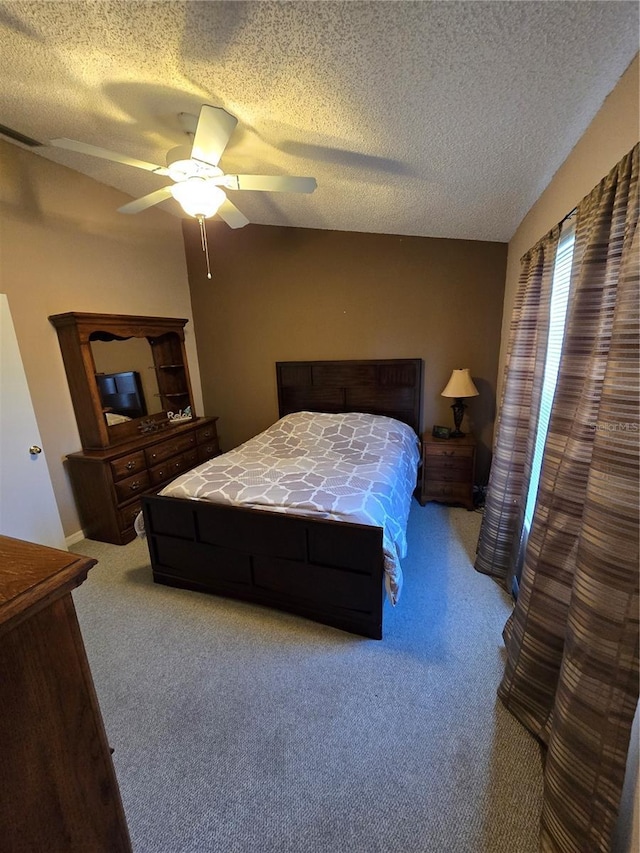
x=327, y=571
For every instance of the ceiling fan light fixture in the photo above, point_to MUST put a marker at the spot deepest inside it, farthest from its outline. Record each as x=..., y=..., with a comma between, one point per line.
x=198, y=197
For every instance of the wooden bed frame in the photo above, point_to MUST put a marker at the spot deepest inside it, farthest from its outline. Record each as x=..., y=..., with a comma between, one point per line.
x=325, y=570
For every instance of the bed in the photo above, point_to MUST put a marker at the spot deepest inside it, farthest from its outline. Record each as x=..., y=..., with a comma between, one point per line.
x=329, y=570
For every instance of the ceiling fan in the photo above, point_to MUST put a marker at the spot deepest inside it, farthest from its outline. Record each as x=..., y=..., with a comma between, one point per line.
x=199, y=184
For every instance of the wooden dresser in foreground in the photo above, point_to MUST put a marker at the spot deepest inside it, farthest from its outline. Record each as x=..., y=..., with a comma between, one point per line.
x=107, y=484
x=59, y=788
x=448, y=466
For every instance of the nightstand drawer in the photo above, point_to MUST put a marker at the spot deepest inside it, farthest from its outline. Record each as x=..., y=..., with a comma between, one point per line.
x=447, y=491
x=444, y=452
x=438, y=475
x=441, y=465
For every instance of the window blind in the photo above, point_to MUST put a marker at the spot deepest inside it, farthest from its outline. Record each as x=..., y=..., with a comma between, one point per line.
x=557, y=319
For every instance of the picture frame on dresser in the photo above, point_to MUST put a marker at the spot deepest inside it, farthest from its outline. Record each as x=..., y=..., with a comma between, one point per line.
x=121, y=462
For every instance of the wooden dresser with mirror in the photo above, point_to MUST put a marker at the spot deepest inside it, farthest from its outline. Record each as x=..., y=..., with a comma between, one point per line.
x=129, y=383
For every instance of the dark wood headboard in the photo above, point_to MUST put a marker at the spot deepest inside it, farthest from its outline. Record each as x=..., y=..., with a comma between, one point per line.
x=121, y=393
x=391, y=387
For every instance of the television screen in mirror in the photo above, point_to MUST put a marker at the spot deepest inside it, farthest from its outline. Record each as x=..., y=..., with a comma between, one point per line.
x=126, y=379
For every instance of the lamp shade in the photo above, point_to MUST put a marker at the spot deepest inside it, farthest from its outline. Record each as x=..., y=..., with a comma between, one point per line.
x=198, y=197
x=460, y=384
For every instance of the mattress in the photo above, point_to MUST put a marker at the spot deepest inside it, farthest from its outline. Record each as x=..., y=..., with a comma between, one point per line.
x=346, y=467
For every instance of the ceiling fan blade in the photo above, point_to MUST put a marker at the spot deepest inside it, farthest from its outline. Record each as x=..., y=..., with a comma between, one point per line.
x=268, y=183
x=214, y=129
x=146, y=201
x=231, y=215
x=94, y=151
x=10, y=133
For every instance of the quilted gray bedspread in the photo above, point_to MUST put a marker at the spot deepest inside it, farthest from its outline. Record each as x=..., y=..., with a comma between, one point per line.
x=349, y=467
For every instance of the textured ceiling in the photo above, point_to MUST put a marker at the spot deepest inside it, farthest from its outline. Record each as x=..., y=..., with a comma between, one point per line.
x=443, y=119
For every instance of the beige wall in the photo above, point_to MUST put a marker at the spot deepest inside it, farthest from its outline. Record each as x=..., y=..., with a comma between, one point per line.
x=612, y=133
x=282, y=294
x=64, y=248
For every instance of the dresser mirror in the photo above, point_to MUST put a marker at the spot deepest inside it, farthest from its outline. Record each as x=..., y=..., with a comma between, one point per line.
x=128, y=375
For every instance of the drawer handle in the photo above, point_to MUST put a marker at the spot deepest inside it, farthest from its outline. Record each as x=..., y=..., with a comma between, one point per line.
x=135, y=485
x=448, y=452
x=130, y=466
x=207, y=433
x=153, y=455
x=176, y=464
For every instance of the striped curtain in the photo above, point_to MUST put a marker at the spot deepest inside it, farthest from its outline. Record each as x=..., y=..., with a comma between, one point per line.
x=572, y=642
x=516, y=429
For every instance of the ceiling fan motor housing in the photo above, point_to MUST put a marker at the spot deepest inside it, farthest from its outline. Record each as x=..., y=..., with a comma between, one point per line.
x=181, y=166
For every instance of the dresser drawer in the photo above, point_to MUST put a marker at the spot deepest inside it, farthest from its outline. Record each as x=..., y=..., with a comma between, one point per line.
x=172, y=467
x=108, y=484
x=208, y=451
x=128, y=515
x=206, y=434
x=126, y=466
x=167, y=449
x=190, y=459
x=127, y=489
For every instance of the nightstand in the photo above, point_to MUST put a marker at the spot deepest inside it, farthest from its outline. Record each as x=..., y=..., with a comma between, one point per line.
x=448, y=466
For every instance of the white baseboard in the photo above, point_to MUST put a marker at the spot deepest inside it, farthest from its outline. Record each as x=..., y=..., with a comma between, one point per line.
x=75, y=537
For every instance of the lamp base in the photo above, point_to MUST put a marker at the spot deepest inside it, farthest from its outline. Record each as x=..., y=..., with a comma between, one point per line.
x=458, y=413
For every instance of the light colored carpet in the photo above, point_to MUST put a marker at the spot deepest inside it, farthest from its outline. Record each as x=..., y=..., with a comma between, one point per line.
x=238, y=729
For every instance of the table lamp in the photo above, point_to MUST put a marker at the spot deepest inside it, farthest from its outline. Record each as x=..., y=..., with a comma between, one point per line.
x=459, y=385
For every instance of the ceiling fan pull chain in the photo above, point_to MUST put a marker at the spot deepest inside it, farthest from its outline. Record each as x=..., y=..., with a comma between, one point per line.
x=203, y=240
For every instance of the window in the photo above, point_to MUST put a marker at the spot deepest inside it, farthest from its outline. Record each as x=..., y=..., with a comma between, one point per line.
x=558, y=314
